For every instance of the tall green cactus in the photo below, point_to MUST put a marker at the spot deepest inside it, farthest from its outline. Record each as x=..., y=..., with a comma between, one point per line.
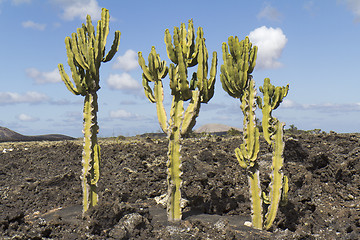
x=237, y=81
x=184, y=52
x=273, y=131
x=85, y=52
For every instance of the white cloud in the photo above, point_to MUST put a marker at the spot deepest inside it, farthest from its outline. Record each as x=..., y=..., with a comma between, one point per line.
x=127, y=62
x=269, y=13
x=354, y=7
x=79, y=9
x=123, y=81
x=43, y=77
x=27, y=118
x=34, y=25
x=287, y=103
x=322, y=107
x=270, y=42
x=121, y=114
x=28, y=97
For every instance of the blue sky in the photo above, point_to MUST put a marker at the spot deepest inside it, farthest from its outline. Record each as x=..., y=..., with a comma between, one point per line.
x=311, y=45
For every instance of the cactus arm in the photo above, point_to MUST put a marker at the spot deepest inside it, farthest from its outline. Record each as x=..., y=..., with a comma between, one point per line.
x=78, y=51
x=276, y=184
x=160, y=110
x=76, y=73
x=105, y=20
x=266, y=111
x=96, y=165
x=147, y=89
x=191, y=54
x=183, y=39
x=66, y=80
x=206, y=86
x=191, y=113
x=225, y=82
x=251, y=132
x=240, y=158
x=146, y=72
x=284, y=192
x=182, y=70
x=211, y=81
x=272, y=97
x=114, y=47
x=229, y=76
x=174, y=163
x=170, y=48
x=253, y=55
x=156, y=70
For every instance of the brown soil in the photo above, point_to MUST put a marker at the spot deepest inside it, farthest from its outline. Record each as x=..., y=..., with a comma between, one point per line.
x=40, y=192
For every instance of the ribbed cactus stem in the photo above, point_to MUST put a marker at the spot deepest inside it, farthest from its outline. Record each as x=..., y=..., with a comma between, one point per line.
x=249, y=151
x=91, y=152
x=255, y=197
x=273, y=131
x=272, y=97
x=276, y=184
x=155, y=72
x=174, y=163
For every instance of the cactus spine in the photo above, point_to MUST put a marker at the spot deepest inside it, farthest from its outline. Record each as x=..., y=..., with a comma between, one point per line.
x=85, y=52
x=185, y=51
x=237, y=81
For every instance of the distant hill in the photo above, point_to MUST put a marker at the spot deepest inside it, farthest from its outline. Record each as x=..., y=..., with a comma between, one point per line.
x=214, y=128
x=7, y=135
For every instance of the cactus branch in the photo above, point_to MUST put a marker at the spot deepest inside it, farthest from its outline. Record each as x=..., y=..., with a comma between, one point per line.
x=272, y=97
x=276, y=184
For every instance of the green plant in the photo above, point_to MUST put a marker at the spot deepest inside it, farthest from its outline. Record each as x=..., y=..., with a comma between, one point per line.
x=85, y=52
x=237, y=81
x=274, y=134
x=184, y=52
x=233, y=132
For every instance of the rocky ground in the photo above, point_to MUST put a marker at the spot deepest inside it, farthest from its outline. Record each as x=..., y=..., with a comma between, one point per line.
x=40, y=189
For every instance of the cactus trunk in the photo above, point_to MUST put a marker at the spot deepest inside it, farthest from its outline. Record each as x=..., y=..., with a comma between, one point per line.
x=249, y=151
x=91, y=153
x=276, y=184
x=255, y=196
x=174, y=162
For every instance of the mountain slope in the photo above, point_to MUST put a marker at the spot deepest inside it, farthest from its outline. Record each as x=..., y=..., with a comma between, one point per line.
x=7, y=135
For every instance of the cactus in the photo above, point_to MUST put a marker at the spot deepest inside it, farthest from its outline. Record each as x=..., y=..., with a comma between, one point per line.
x=273, y=131
x=238, y=66
x=272, y=96
x=184, y=53
x=237, y=81
x=85, y=52
x=247, y=154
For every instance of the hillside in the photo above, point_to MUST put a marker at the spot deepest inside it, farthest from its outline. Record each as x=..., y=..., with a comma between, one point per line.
x=7, y=135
